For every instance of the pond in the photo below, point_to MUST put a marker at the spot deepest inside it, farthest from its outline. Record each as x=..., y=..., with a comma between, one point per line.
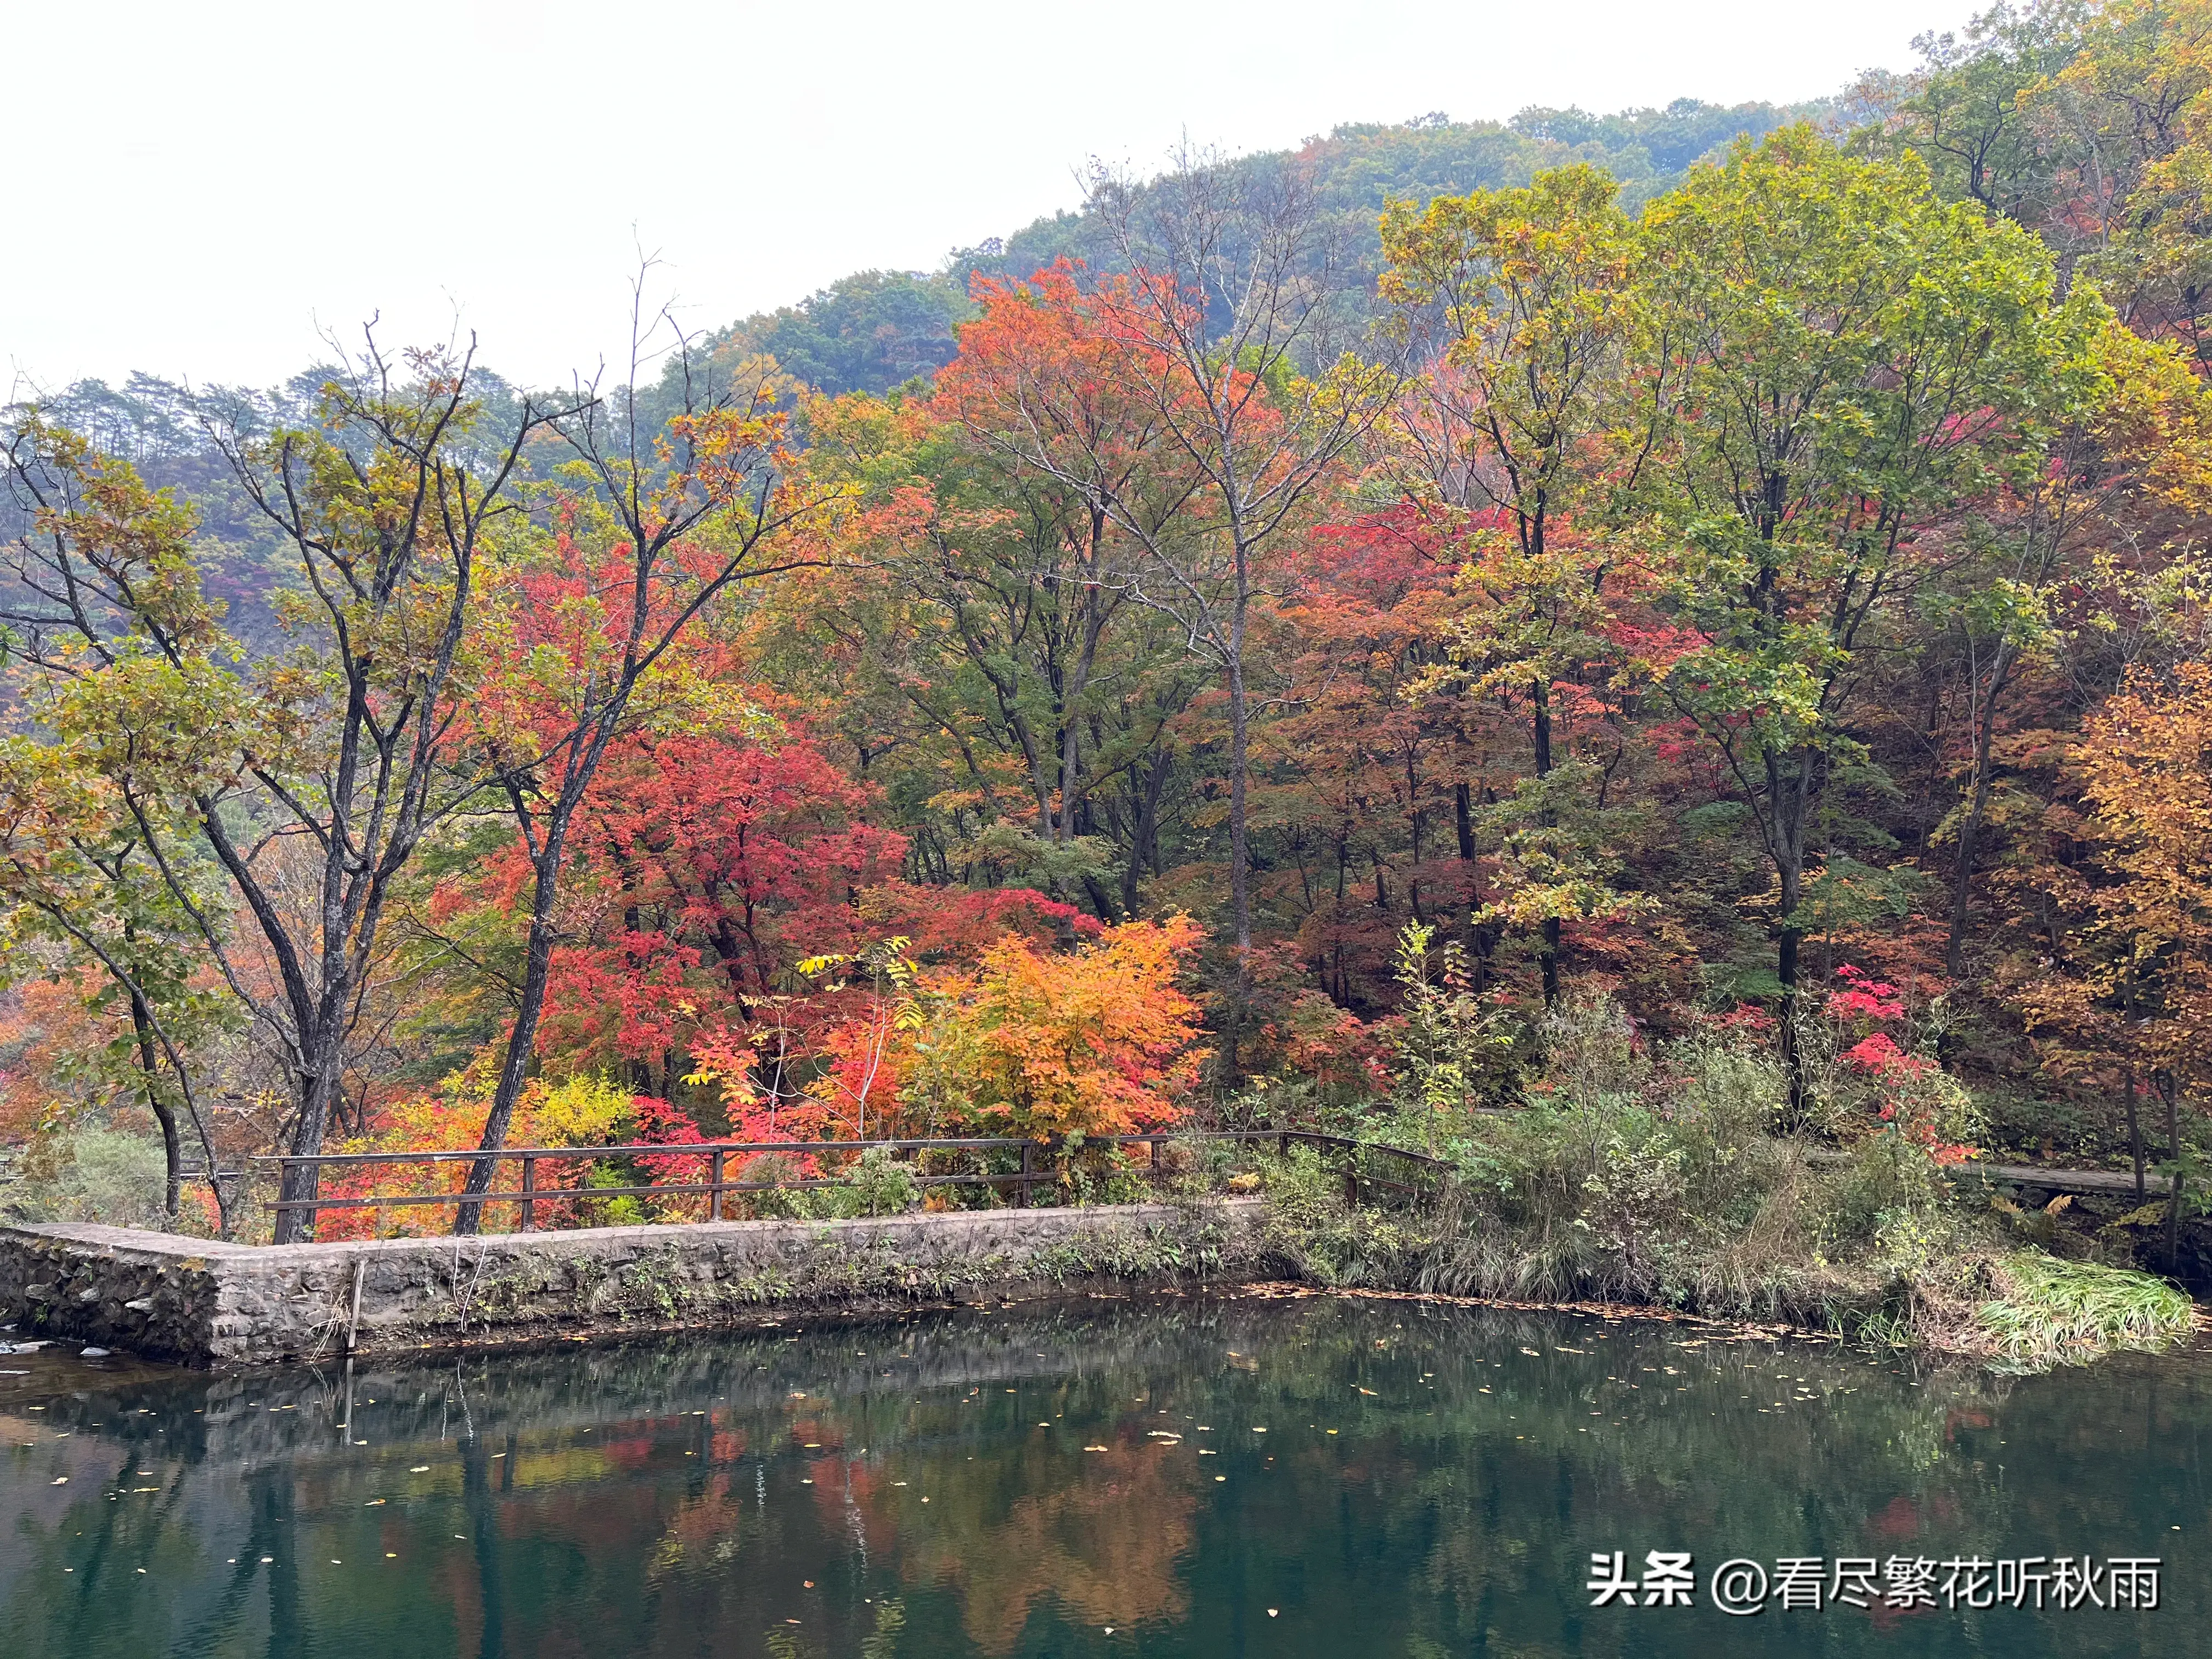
x=1220, y=1475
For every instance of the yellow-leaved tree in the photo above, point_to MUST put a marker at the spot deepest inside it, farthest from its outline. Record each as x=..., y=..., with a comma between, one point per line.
x=2135, y=974
x=1097, y=1040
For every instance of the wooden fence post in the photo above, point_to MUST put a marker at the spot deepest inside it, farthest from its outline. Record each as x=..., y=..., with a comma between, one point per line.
x=526, y=1217
x=715, y=1175
x=353, y=1325
x=1022, y=1190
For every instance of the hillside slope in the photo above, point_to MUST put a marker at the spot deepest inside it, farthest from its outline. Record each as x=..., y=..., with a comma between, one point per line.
x=876, y=329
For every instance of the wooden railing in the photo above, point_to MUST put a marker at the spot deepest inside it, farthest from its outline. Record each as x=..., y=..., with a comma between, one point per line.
x=1415, y=1176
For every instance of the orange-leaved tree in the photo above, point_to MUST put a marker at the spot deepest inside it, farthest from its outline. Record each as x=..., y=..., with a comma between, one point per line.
x=2138, y=973
x=1031, y=1041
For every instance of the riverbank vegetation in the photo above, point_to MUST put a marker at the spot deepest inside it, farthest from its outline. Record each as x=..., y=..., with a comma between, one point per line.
x=1662, y=660
x=1654, y=1175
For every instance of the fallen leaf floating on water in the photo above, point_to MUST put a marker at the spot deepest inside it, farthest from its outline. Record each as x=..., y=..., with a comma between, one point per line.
x=1097, y=1449
x=1370, y=1391
x=61, y=1481
x=1271, y=1613
x=1532, y=1353
x=420, y=1468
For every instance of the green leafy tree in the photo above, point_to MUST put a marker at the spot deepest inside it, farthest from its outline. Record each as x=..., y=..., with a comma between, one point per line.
x=74, y=876
x=317, y=771
x=1526, y=298
x=1838, y=365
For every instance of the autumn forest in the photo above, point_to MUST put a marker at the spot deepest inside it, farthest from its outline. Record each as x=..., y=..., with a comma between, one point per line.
x=1671, y=650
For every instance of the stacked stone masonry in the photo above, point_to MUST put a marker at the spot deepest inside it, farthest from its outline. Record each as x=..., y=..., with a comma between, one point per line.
x=204, y=1302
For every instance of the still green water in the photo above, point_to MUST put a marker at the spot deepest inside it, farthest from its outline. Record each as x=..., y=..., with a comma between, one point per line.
x=1222, y=1476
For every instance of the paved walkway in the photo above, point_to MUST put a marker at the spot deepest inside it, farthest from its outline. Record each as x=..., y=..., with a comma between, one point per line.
x=2049, y=1177
x=2070, y=1180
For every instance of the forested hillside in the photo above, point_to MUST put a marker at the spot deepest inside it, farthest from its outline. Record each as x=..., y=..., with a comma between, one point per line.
x=877, y=329
x=1690, y=624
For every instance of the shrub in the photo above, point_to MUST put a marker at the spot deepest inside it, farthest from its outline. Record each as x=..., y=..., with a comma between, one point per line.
x=1099, y=1041
x=1328, y=1240
x=1455, y=1049
x=878, y=1184
x=875, y=1184
x=91, y=1172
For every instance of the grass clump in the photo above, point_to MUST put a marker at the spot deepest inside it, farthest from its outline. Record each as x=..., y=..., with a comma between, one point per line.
x=2053, y=1312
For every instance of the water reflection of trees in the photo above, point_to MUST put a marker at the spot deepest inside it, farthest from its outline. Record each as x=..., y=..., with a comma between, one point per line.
x=615, y=1500
x=1105, y=1541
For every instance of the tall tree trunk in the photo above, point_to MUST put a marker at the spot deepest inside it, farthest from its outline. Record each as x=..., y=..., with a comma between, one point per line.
x=2167, y=1088
x=1143, y=841
x=1463, y=822
x=2135, y=1132
x=302, y=1182
x=1548, y=958
x=1240, y=877
x=1790, y=794
x=142, y=1022
x=1101, y=902
x=1970, y=829
x=1793, y=1057
x=537, y=965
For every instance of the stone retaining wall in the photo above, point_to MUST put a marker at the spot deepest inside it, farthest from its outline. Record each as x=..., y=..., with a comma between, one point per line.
x=201, y=1302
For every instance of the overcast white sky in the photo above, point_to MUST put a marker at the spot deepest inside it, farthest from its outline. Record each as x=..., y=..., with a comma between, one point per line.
x=200, y=187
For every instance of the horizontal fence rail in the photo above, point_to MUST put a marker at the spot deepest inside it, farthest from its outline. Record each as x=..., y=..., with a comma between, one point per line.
x=1415, y=1175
